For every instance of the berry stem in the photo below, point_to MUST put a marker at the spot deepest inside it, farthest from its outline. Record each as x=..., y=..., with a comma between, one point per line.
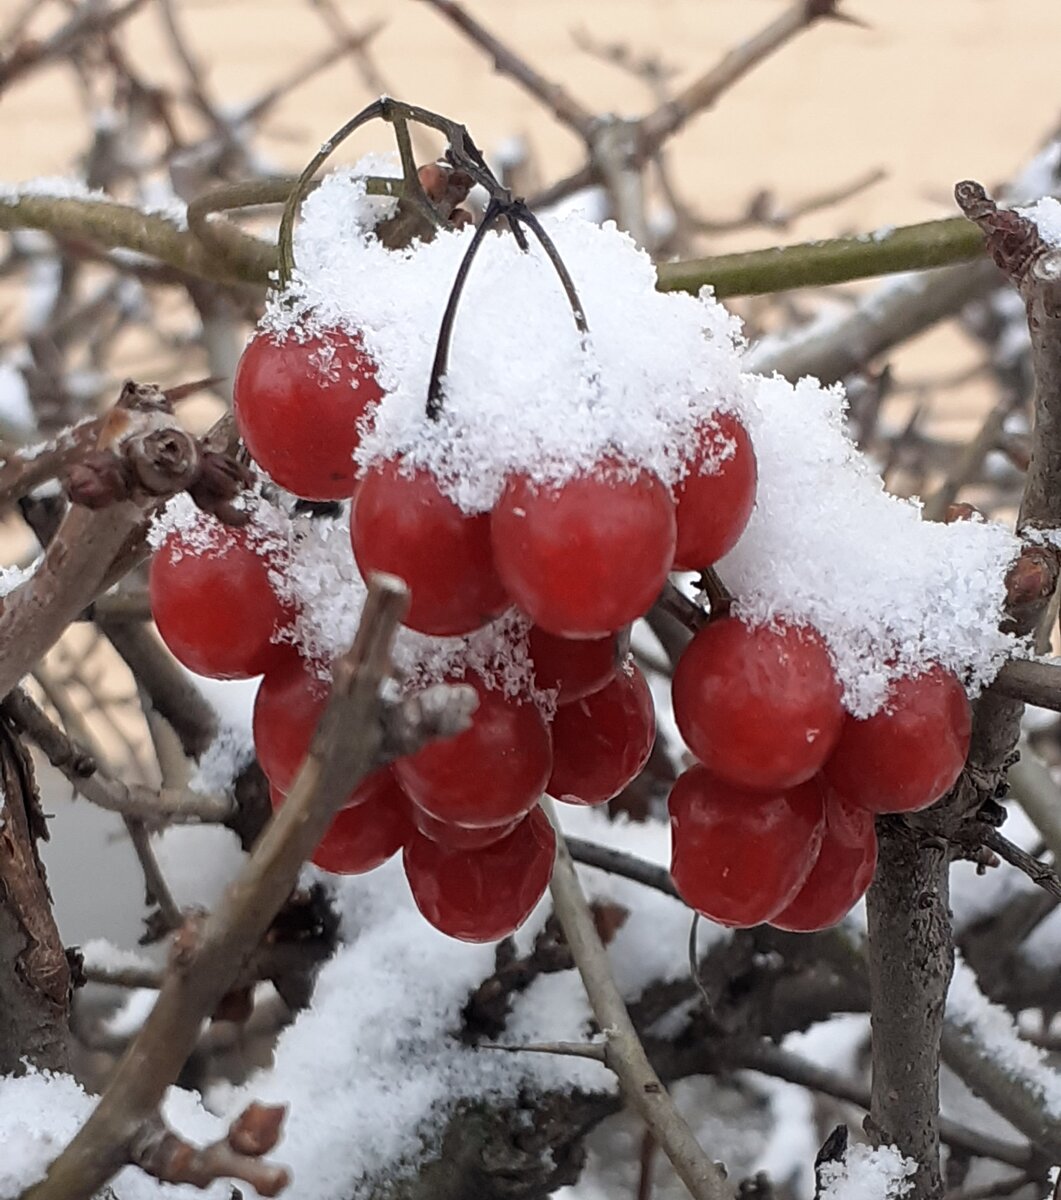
x=524, y=214
x=438, y=367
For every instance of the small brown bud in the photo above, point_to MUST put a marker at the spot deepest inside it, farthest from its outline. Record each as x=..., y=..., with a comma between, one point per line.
x=220, y=480
x=609, y=919
x=100, y=479
x=1032, y=577
x=165, y=460
x=257, y=1129
x=961, y=512
x=433, y=179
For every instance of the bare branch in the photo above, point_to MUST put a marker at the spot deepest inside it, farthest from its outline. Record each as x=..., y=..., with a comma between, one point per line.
x=772, y=1060
x=624, y=1053
x=112, y=225
x=1035, y=791
x=166, y=1157
x=83, y=771
x=202, y=975
x=1036, y=683
x=702, y=93
x=559, y=102
x=838, y=345
x=910, y=963
x=1038, y=872
x=833, y=260
x=34, y=971
x=88, y=20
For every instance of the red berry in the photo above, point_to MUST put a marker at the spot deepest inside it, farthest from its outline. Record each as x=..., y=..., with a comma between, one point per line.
x=572, y=667
x=739, y=857
x=839, y=878
x=363, y=837
x=587, y=557
x=458, y=837
x=602, y=742
x=493, y=772
x=214, y=605
x=298, y=404
x=758, y=705
x=482, y=895
x=401, y=522
x=909, y=754
x=713, y=506
x=286, y=711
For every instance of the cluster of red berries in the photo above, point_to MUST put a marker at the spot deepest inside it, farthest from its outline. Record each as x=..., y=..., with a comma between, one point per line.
x=581, y=559
x=777, y=824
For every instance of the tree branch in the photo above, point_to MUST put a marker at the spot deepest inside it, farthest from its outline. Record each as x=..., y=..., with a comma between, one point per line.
x=702, y=93
x=34, y=972
x=345, y=747
x=910, y=962
x=770, y=1059
x=624, y=1053
x=119, y=226
x=1032, y=682
x=83, y=771
x=556, y=99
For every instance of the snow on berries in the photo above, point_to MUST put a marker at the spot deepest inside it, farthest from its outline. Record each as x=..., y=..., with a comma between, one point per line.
x=535, y=509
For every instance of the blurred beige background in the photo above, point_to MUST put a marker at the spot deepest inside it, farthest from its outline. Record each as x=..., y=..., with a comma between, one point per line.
x=933, y=91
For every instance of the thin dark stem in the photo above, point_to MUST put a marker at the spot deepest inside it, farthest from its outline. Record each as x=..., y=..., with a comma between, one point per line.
x=618, y=862
x=294, y=199
x=438, y=367
x=524, y=214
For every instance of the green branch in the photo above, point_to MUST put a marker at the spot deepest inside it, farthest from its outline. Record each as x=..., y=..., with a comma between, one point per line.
x=837, y=260
x=218, y=250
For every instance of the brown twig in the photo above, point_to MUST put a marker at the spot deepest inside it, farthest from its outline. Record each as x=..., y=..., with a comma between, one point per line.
x=703, y=92
x=35, y=979
x=165, y=1156
x=1038, y=872
x=772, y=1060
x=88, y=20
x=624, y=1053
x=81, y=768
x=201, y=976
x=556, y=99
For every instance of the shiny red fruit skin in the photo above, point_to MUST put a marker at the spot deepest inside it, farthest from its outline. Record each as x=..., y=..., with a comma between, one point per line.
x=840, y=877
x=297, y=406
x=215, y=608
x=758, y=705
x=739, y=857
x=362, y=837
x=587, y=557
x=400, y=522
x=602, y=742
x=572, y=667
x=287, y=708
x=493, y=772
x=713, y=508
x=482, y=895
x=458, y=837
x=909, y=754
